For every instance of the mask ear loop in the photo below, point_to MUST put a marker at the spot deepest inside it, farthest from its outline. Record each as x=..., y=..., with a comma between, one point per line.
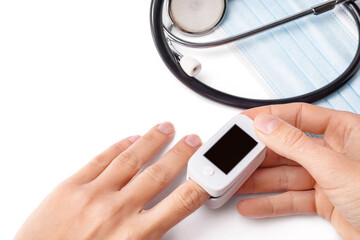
x=173, y=65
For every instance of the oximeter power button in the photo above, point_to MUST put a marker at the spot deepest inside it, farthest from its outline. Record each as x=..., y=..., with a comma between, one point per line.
x=208, y=171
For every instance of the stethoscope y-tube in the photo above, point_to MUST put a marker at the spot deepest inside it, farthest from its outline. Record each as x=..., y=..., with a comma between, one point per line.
x=171, y=57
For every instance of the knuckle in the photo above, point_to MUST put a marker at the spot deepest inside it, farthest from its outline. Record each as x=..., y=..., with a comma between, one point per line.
x=121, y=146
x=298, y=118
x=81, y=195
x=303, y=105
x=294, y=139
x=98, y=161
x=189, y=199
x=63, y=188
x=271, y=207
x=354, y=118
x=129, y=234
x=84, y=192
x=150, y=137
x=284, y=179
x=129, y=159
x=101, y=161
x=158, y=175
x=180, y=152
x=293, y=202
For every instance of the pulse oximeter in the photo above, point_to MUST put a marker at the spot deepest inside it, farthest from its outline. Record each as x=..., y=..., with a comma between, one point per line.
x=227, y=160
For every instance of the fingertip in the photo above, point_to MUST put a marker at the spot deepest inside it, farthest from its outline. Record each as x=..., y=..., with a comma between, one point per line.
x=243, y=208
x=250, y=208
x=193, y=141
x=134, y=138
x=266, y=123
x=166, y=128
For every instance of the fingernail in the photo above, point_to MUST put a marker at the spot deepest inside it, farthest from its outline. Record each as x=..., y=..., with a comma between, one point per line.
x=193, y=141
x=134, y=138
x=166, y=128
x=266, y=123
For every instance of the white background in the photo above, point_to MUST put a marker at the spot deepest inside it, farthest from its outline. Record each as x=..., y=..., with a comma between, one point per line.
x=77, y=76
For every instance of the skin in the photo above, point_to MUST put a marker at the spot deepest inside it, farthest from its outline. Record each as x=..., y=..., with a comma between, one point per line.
x=317, y=175
x=100, y=201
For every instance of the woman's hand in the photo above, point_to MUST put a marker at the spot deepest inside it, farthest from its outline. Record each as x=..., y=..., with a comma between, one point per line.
x=319, y=175
x=100, y=201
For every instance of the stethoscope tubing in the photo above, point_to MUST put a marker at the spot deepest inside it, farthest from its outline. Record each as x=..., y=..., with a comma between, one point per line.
x=171, y=62
x=316, y=10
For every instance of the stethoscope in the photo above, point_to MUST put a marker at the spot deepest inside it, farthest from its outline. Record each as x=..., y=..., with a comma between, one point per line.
x=210, y=14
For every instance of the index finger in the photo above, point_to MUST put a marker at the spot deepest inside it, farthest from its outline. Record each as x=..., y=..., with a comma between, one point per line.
x=272, y=159
x=306, y=117
x=185, y=200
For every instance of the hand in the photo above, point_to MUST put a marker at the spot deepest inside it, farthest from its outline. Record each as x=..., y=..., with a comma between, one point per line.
x=319, y=175
x=100, y=201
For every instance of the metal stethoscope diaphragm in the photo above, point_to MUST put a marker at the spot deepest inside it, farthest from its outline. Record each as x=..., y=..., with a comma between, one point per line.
x=200, y=17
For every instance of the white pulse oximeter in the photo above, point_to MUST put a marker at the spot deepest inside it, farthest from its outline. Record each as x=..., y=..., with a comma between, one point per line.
x=227, y=160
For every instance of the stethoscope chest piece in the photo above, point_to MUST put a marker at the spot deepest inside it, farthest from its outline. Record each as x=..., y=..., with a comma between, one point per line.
x=196, y=16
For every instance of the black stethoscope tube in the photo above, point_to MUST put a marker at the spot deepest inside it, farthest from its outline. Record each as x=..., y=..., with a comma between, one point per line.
x=171, y=62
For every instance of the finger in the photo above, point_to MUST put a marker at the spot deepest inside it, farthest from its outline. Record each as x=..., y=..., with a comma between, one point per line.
x=345, y=229
x=325, y=208
x=273, y=159
x=307, y=117
x=289, y=203
x=292, y=143
x=97, y=165
x=177, y=206
x=335, y=125
x=282, y=178
x=128, y=163
x=158, y=176
x=319, y=140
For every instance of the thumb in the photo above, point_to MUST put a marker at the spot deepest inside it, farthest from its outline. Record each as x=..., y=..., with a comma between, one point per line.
x=292, y=143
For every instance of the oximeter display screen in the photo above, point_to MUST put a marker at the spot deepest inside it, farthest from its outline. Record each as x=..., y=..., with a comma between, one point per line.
x=230, y=149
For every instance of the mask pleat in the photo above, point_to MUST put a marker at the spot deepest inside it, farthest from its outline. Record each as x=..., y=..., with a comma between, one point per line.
x=300, y=56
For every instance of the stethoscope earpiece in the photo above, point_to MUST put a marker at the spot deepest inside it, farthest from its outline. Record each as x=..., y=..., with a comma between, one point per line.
x=190, y=66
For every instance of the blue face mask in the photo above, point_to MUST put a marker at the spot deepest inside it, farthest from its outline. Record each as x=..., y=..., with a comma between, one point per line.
x=301, y=56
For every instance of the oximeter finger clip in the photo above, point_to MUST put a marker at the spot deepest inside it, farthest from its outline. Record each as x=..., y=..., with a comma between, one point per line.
x=227, y=160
